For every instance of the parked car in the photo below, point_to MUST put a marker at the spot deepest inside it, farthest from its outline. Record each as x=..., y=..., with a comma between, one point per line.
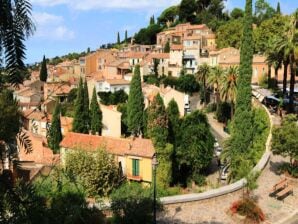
x=224, y=172
x=218, y=151
x=271, y=101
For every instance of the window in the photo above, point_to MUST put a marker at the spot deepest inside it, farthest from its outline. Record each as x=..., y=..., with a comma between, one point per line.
x=135, y=167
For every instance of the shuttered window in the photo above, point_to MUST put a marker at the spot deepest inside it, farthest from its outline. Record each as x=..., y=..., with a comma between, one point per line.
x=135, y=167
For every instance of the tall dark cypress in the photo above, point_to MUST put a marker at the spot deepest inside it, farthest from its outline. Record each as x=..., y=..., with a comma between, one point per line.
x=78, y=120
x=125, y=36
x=118, y=38
x=95, y=114
x=278, y=11
x=43, y=75
x=135, y=104
x=242, y=130
x=55, y=135
x=86, y=115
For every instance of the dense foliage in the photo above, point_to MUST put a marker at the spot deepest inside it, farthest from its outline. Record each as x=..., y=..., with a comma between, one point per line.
x=284, y=139
x=132, y=204
x=157, y=122
x=195, y=147
x=97, y=171
x=109, y=98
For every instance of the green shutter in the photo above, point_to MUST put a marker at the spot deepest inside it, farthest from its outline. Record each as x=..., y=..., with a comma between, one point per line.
x=135, y=167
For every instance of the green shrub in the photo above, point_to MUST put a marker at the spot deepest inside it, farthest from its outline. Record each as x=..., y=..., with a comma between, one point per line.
x=223, y=112
x=151, y=79
x=132, y=204
x=199, y=179
x=211, y=107
x=96, y=171
x=287, y=167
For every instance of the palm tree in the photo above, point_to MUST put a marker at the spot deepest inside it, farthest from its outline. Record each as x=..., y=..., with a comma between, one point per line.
x=289, y=45
x=202, y=74
x=15, y=27
x=213, y=81
x=228, y=84
x=275, y=59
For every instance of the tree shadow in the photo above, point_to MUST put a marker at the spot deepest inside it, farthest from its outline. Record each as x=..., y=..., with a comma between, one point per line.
x=275, y=167
x=174, y=220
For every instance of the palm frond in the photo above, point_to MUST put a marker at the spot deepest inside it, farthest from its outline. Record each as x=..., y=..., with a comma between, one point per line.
x=25, y=141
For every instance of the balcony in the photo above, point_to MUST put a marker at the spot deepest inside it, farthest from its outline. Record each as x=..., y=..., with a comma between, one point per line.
x=135, y=178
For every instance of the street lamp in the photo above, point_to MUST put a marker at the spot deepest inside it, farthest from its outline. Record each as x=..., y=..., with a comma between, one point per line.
x=154, y=166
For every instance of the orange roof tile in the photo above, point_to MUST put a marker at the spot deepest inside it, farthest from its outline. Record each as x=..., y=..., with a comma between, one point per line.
x=117, y=146
x=176, y=47
x=117, y=81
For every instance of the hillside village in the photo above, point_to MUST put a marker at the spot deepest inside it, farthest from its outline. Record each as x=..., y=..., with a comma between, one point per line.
x=162, y=120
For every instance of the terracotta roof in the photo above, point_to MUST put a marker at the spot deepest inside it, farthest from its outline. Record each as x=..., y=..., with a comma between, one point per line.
x=195, y=27
x=193, y=37
x=33, y=114
x=132, y=54
x=176, y=47
x=116, y=146
x=117, y=81
x=159, y=55
x=117, y=63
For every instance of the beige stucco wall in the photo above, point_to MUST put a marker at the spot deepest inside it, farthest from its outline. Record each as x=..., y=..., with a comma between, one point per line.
x=111, y=121
x=145, y=168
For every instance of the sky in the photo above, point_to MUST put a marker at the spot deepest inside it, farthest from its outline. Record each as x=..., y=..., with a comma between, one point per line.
x=64, y=26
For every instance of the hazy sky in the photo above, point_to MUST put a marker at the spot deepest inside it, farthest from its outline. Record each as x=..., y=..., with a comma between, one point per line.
x=64, y=26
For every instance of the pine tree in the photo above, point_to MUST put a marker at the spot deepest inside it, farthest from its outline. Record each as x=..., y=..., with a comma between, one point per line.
x=135, y=104
x=86, y=112
x=157, y=122
x=125, y=36
x=95, y=114
x=78, y=120
x=174, y=120
x=118, y=38
x=167, y=47
x=43, y=75
x=278, y=11
x=55, y=135
x=242, y=130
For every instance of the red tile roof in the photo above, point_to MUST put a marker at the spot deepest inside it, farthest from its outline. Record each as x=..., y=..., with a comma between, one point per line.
x=116, y=146
x=176, y=47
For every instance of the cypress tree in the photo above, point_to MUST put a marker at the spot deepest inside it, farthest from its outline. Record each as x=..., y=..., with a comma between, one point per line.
x=174, y=120
x=167, y=47
x=152, y=20
x=242, y=130
x=278, y=11
x=157, y=122
x=135, y=104
x=55, y=135
x=118, y=38
x=43, y=75
x=78, y=120
x=95, y=114
x=125, y=36
x=86, y=112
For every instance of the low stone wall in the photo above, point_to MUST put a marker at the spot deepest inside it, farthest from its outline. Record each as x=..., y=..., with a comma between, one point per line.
x=225, y=189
